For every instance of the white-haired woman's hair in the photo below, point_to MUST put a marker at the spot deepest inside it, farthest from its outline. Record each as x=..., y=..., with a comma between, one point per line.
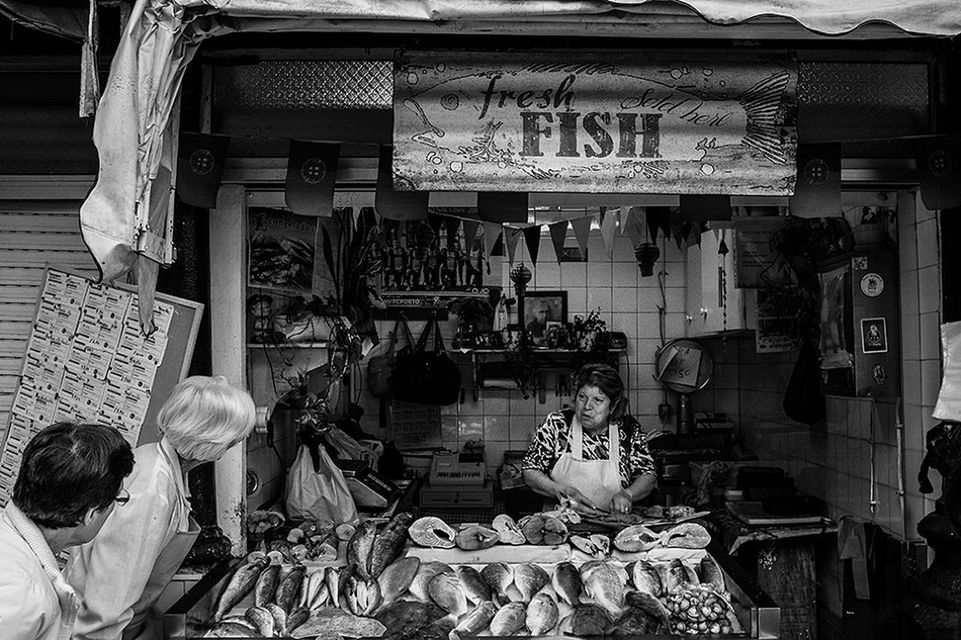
x=204, y=416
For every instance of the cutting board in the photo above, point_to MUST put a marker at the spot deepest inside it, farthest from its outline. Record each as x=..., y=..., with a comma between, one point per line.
x=511, y=554
x=753, y=513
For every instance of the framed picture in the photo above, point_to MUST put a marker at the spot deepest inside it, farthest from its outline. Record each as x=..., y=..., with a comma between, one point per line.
x=538, y=310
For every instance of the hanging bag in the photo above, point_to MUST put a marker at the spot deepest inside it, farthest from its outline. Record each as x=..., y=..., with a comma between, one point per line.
x=317, y=489
x=426, y=377
x=380, y=367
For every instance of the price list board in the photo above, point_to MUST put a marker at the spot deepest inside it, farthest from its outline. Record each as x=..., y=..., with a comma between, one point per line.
x=87, y=360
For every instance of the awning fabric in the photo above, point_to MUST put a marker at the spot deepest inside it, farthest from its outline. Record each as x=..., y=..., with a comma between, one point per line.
x=125, y=214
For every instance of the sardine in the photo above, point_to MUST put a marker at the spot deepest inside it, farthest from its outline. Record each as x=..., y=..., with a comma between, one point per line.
x=332, y=578
x=280, y=618
x=266, y=585
x=475, y=588
x=239, y=585
x=362, y=596
x=567, y=583
x=396, y=579
x=317, y=591
x=542, y=614
x=529, y=579
x=646, y=578
x=499, y=577
x=289, y=588
x=602, y=583
x=361, y=546
x=509, y=619
x=297, y=617
x=262, y=620
x=475, y=621
x=446, y=590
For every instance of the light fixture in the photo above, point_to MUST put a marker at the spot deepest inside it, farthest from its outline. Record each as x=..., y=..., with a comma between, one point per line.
x=646, y=255
x=520, y=276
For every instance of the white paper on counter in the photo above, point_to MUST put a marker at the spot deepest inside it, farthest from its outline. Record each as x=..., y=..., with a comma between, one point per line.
x=948, y=406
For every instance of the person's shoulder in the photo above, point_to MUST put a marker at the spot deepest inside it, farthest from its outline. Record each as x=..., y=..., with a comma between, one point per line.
x=630, y=426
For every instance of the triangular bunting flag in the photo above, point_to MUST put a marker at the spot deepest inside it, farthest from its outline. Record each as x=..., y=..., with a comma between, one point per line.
x=939, y=171
x=699, y=208
x=502, y=207
x=311, y=175
x=200, y=166
x=608, y=228
x=532, y=238
x=558, y=235
x=817, y=190
x=397, y=205
x=582, y=230
x=511, y=236
x=491, y=233
x=470, y=232
x=658, y=219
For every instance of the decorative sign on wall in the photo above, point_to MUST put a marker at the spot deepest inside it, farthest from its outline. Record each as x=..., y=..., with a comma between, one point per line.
x=605, y=122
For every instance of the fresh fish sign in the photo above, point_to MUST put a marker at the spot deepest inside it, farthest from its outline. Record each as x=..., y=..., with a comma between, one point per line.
x=607, y=123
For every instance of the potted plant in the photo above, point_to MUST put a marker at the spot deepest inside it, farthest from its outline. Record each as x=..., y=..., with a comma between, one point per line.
x=587, y=329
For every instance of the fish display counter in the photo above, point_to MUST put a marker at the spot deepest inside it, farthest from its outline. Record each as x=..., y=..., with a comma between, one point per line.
x=423, y=579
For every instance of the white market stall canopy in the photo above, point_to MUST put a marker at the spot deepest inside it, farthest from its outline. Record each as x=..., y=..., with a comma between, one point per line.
x=125, y=218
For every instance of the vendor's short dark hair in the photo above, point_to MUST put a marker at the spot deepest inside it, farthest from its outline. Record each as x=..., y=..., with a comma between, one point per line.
x=608, y=380
x=68, y=469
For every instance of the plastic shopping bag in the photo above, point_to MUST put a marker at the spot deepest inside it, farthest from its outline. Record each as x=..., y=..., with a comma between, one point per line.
x=949, y=399
x=319, y=494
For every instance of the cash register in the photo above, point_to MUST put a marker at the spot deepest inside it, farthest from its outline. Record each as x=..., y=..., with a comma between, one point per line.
x=458, y=480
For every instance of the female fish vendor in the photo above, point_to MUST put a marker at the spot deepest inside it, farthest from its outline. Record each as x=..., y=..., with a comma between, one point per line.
x=594, y=456
x=122, y=573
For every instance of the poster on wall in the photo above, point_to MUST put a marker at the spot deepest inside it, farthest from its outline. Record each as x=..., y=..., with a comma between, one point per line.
x=282, y=247
x=606, y=122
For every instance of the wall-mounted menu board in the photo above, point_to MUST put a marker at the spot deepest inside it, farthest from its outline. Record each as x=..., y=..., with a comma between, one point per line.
x=88, y=361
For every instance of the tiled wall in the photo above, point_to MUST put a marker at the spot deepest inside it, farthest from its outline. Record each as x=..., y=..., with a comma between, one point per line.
x=834, y=463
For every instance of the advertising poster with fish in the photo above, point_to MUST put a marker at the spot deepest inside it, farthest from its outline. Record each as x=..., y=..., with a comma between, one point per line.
x=282, y=247
x=600, y=122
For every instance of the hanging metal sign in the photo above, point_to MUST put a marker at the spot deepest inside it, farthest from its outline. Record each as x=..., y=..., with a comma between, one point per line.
x=595, y=122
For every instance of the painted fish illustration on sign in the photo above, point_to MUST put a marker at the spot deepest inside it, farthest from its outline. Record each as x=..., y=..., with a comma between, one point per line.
x=672, y=122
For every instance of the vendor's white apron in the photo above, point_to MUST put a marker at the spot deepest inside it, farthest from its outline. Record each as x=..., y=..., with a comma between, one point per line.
x=599, y=480
x=147, y=625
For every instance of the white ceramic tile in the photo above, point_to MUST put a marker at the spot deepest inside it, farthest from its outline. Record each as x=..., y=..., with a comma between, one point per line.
x=624, y=274
x=599, y=274
x=599, y=297
x=547, y=275
x=911, y=336
x=928, y=249
x=929, y=289
x=573, y=274
x=907, y=245
x=623, y=322
x=496, y=428
x=909, y=291
x=624, y=300
x=930, y=382
x=930, y=336
x=576, y=301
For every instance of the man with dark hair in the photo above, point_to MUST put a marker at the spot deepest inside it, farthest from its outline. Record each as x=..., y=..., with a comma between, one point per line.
x=71, y=476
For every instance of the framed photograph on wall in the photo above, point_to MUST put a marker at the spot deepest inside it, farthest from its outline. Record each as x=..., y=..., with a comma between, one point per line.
x=540, y=309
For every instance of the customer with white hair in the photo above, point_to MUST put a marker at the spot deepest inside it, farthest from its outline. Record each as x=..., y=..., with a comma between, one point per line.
x=122, y=573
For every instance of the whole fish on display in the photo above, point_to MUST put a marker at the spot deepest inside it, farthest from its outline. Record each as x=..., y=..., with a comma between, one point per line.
x=542, y=614
x=266, y=585
x=239, y=585
x=389, y=543
x=567, y=583
x=360, y=548
x=289, y=587
x=396, y=579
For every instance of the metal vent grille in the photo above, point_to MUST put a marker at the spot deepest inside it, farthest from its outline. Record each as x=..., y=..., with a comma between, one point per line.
x=866, y=96
x=301, y=85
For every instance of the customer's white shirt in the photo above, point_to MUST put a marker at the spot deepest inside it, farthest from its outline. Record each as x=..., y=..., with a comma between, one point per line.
x=29, y=605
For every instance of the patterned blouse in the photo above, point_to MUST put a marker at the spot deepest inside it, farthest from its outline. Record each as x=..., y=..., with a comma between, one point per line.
x=552, y=439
